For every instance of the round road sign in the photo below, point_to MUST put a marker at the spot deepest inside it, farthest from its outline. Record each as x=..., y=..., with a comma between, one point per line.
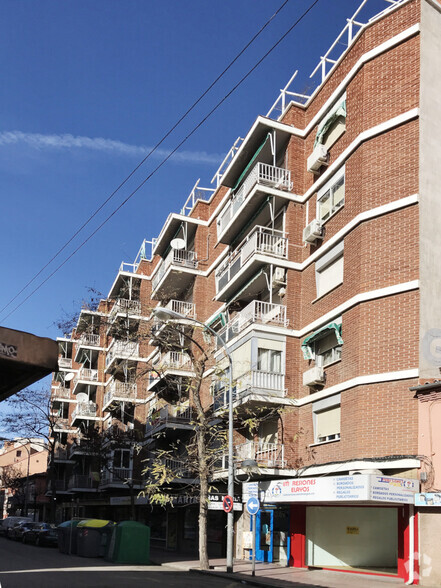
x=253, y=505
x=227, y=503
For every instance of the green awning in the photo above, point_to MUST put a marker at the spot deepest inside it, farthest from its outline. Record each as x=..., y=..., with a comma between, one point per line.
x=252, y=160
x=338, y=110
x=306, y=345
x=220, y=316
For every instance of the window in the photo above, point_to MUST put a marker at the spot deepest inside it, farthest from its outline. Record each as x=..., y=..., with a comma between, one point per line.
x=327, y=349
x=326, y=419
x=18, y=453
x=329, y=270
x=333, y=124
x=121, y=458
x=331, y=198
x=269, y=360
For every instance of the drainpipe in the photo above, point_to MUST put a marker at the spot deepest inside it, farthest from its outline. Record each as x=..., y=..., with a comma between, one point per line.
x=411, y=545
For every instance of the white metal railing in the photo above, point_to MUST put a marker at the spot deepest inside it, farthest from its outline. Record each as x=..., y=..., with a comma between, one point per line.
x=123, y=349
x=262, y=174
x=226, y=162
x=60, y=392
x=342, y=44
x=174, y=360
x=178, y=257
x=87, y=375
x=188, y=309
x=120, y=391
x=265, y=454
x=65, y=362
x=260, y=240
x=84, y=410
x=255, y=312
x=116, y=475
x=89, y=339
x=259, y=382
x=125, y=306
x=168, y=415
x=196, y=194
x=133, y=267
x=179, y=469
x=61, y=423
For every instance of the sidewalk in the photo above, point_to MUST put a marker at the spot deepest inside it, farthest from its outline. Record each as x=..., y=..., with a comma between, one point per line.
x=269, y=575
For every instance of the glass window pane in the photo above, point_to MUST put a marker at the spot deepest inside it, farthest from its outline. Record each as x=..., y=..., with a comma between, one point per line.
x=339, y=193
x=325, y=206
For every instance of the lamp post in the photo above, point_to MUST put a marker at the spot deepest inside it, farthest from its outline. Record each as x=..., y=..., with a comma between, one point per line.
x=166, y=314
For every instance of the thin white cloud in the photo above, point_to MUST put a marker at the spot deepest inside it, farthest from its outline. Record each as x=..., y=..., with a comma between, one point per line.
x=71, y=142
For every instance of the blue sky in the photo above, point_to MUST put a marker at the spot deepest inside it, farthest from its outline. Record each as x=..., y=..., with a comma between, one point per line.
x=88, y=86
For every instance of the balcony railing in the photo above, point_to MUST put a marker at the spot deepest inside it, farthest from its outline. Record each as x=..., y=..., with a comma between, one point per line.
x=258, y=382
x=81, y=481
x=119, y=391
x=65, y=362
x=59, y=392
x=269, y=455
x=262, y=174
x=177, y=257
x=84, y=410
x=255, y=312
x=89, y=340
x=260, y=240
x=173, y=415
x=116, y=476
x=188, y=309
x=86, y=375
x=123, y=349
x=127, y=307
x=179, y=469
x=175, y=360
x=61, y=424
x=61, y=453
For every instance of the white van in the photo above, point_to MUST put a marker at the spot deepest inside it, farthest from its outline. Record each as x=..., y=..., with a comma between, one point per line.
x=9, y=522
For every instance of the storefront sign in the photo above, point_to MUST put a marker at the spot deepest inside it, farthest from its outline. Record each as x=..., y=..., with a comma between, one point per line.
x=8, y=350
x=362, y=487
x=428, y=499
x=215, y=501
x=352, y=530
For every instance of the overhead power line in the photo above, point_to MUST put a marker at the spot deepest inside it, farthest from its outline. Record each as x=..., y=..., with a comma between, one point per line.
x=152, y=150
x=158, y=167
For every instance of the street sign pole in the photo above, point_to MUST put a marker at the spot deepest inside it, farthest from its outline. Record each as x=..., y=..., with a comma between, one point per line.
x=253, y=568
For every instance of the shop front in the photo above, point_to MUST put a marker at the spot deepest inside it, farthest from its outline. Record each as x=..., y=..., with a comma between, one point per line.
x=362, y=523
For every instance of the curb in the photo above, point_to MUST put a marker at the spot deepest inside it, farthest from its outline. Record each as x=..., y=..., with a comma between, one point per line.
x=251, y=581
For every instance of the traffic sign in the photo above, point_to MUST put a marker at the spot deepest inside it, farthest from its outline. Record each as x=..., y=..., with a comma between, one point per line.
x=253, y=505
x=228, y=503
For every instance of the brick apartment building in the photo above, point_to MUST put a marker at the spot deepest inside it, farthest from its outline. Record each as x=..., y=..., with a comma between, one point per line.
x=315, y=259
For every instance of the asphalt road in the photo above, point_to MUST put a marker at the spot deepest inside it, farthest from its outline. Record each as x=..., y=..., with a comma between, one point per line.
x=44, y=567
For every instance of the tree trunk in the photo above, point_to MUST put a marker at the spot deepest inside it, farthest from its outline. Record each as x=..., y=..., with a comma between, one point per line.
x=203, y=504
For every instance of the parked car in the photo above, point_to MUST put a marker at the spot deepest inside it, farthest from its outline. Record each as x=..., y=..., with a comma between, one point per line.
x=9, y=522
x=41, y=534
x=16, y=532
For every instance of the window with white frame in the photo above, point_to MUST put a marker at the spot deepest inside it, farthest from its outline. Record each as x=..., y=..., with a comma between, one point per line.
x=326, y=416
x=329, y=270
x=269, y=360
x=327, y=349
x=331, y=197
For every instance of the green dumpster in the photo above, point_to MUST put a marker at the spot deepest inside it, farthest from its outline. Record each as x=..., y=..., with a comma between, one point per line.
x=93, y=537
x=130, y=544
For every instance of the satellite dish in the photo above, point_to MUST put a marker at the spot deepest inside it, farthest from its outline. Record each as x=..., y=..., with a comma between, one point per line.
x=177, y=244
x=68, y=377
x=82, y=397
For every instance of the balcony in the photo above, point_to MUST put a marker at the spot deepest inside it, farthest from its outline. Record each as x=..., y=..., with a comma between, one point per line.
x=255, y=386
x=122, y=310
x=60, y=393
x=119, y=392
x=60, y=487
x=169, y=417
x=65, y=363
x=116, y=476
x=179, y=469
x=60, y=454
x=172, y=364
x=89, y=340
x=262, y=179
x=267, y=455
x=61, y=425
x=256, y=312
x=85, y=377
x=121, y=350
x=261, y=247
x=82, y=482
x=85, y=410
x=179, y=267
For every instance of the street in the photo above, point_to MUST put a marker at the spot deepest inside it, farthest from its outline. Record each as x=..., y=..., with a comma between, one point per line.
x=38, y=567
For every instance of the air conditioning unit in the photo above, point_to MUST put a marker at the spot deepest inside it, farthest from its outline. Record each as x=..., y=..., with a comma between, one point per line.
x=314, y=376
x=313, y=231
x=317, y=158
x=279, y=275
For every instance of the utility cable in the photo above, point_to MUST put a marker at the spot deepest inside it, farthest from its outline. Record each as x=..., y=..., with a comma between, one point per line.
x=206, y=117
x=152, y=150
